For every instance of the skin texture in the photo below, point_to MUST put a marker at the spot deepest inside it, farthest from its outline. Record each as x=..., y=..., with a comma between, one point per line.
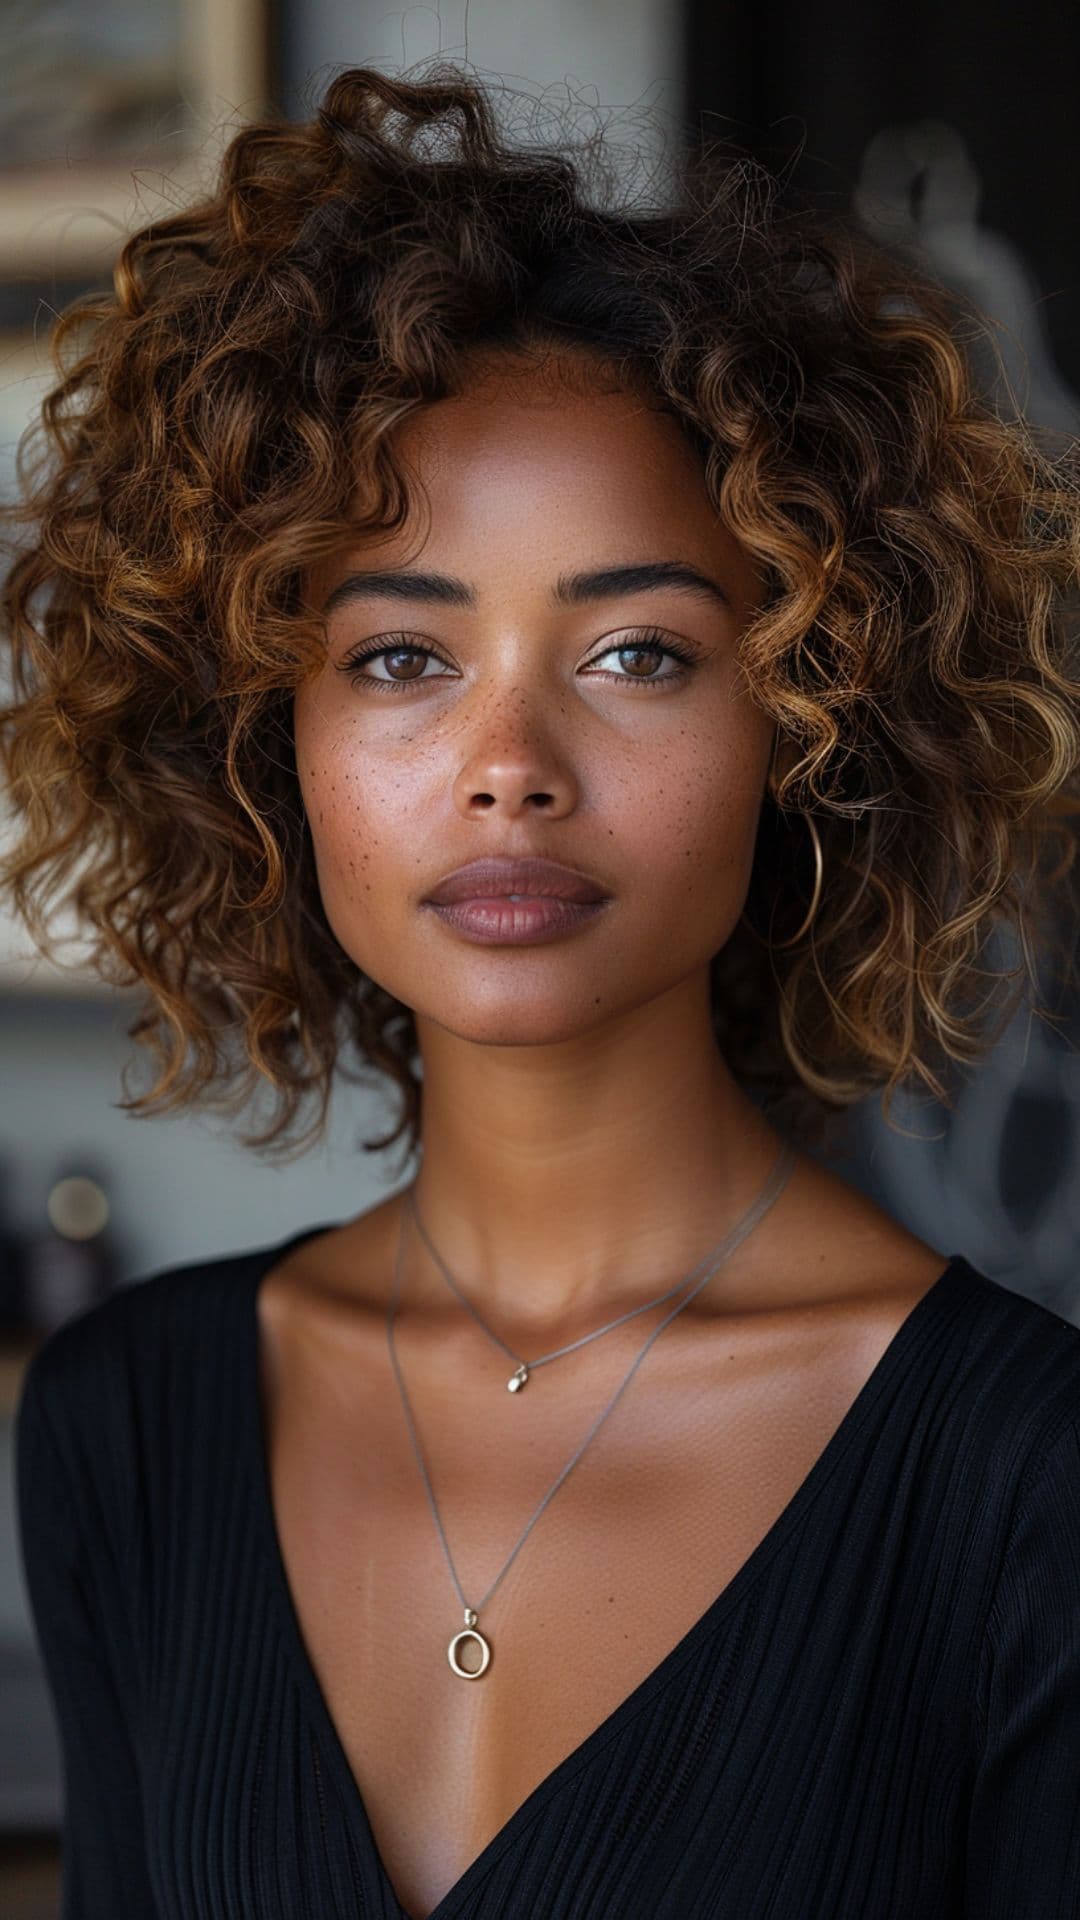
x=580, y=1125
x=583, y=1142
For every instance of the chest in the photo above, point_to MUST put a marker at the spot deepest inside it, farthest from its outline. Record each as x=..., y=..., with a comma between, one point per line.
x=679, y=1485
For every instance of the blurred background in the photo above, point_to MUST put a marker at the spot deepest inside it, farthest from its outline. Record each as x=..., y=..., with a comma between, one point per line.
x=946, y=125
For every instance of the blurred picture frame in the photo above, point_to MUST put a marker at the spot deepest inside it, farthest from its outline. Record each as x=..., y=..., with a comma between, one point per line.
x=114, y=113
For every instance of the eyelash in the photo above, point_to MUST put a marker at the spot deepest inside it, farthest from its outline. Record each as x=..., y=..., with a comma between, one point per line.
x=650, y=641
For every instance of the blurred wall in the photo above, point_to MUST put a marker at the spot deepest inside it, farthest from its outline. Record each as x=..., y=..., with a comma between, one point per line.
x=610, y=52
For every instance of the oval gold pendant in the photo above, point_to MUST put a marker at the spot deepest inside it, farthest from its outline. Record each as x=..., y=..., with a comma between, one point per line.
x=469, y=1632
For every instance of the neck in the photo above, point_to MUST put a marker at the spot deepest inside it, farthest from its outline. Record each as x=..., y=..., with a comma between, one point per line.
x=562, y=1184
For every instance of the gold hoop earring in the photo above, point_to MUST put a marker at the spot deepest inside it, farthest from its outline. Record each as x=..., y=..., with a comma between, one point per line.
x=778, y=946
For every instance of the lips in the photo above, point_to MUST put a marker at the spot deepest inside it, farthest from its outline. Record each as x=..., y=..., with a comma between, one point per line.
x=493, y=878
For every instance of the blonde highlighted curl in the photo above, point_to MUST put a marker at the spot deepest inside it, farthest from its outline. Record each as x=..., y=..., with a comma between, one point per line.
x=224, y=414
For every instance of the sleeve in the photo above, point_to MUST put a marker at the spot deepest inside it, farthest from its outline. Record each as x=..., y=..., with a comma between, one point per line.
x=1023, y=1851
x=103, y=1863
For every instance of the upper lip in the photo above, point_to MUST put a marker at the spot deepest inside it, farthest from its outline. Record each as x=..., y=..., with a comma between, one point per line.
x=497, y=875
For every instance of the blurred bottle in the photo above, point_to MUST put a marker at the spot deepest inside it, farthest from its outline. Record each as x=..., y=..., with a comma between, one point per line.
x=71, y=1264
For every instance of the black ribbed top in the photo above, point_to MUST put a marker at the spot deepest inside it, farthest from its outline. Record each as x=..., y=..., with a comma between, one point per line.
x=878, y=1718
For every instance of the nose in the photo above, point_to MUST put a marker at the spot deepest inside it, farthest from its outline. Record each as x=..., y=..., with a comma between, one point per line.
x=516, y=754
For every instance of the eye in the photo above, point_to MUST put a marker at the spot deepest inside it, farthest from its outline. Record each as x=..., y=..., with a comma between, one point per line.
x=353, y=663
x=652, y=645
x=649, y=644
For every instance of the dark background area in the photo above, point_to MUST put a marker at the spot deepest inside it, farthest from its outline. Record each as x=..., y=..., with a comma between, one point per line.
x=831, y=76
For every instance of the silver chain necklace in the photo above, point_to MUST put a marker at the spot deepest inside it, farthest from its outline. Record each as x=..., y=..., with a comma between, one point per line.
x=770, y=1192
x=525, y=1368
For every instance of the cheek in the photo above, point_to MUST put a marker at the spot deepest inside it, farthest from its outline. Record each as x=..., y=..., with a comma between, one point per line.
x=696, y=836
x=338, y=799
x=351, y=826
x=370, y=816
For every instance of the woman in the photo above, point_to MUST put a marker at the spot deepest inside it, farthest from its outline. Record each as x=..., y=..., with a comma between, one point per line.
x=411, y=513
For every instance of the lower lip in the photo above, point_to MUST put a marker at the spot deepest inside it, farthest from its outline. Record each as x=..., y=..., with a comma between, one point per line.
x=517, y=923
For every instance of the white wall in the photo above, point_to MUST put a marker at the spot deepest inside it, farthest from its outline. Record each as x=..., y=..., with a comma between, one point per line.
x=618, y=58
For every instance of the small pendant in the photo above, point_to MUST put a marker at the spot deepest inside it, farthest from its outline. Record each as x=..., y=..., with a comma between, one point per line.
x=469, y=1632
x=515, y=1384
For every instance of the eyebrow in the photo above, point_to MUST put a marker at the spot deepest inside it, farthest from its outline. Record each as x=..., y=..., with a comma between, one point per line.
x=570, y=589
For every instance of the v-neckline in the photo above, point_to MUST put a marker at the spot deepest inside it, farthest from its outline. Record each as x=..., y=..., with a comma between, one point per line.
x=667, y=1667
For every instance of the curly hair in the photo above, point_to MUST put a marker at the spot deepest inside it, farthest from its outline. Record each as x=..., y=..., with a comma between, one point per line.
x=224, y=415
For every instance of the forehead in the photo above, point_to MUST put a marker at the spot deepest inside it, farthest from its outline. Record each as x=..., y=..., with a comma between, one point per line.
x=554, y=462
x=556, y=451
x=555, y=410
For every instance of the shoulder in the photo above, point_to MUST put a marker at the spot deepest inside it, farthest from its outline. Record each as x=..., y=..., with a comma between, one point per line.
x=93, y=1375
x=1030, y=1353
x=1010, y=1379
x=1001, y=1368
x=127, y=1402
x=1032, y=1620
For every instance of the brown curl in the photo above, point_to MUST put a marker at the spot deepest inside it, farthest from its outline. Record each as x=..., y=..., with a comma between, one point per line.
x=225, y=414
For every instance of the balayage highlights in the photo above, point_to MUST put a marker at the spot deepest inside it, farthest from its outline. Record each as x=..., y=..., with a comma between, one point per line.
x=222, y=417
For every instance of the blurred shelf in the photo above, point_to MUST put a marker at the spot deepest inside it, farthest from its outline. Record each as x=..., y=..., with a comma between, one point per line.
x=22, y=974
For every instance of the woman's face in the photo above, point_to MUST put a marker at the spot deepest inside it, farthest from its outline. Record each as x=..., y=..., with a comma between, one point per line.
x=507, y=715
